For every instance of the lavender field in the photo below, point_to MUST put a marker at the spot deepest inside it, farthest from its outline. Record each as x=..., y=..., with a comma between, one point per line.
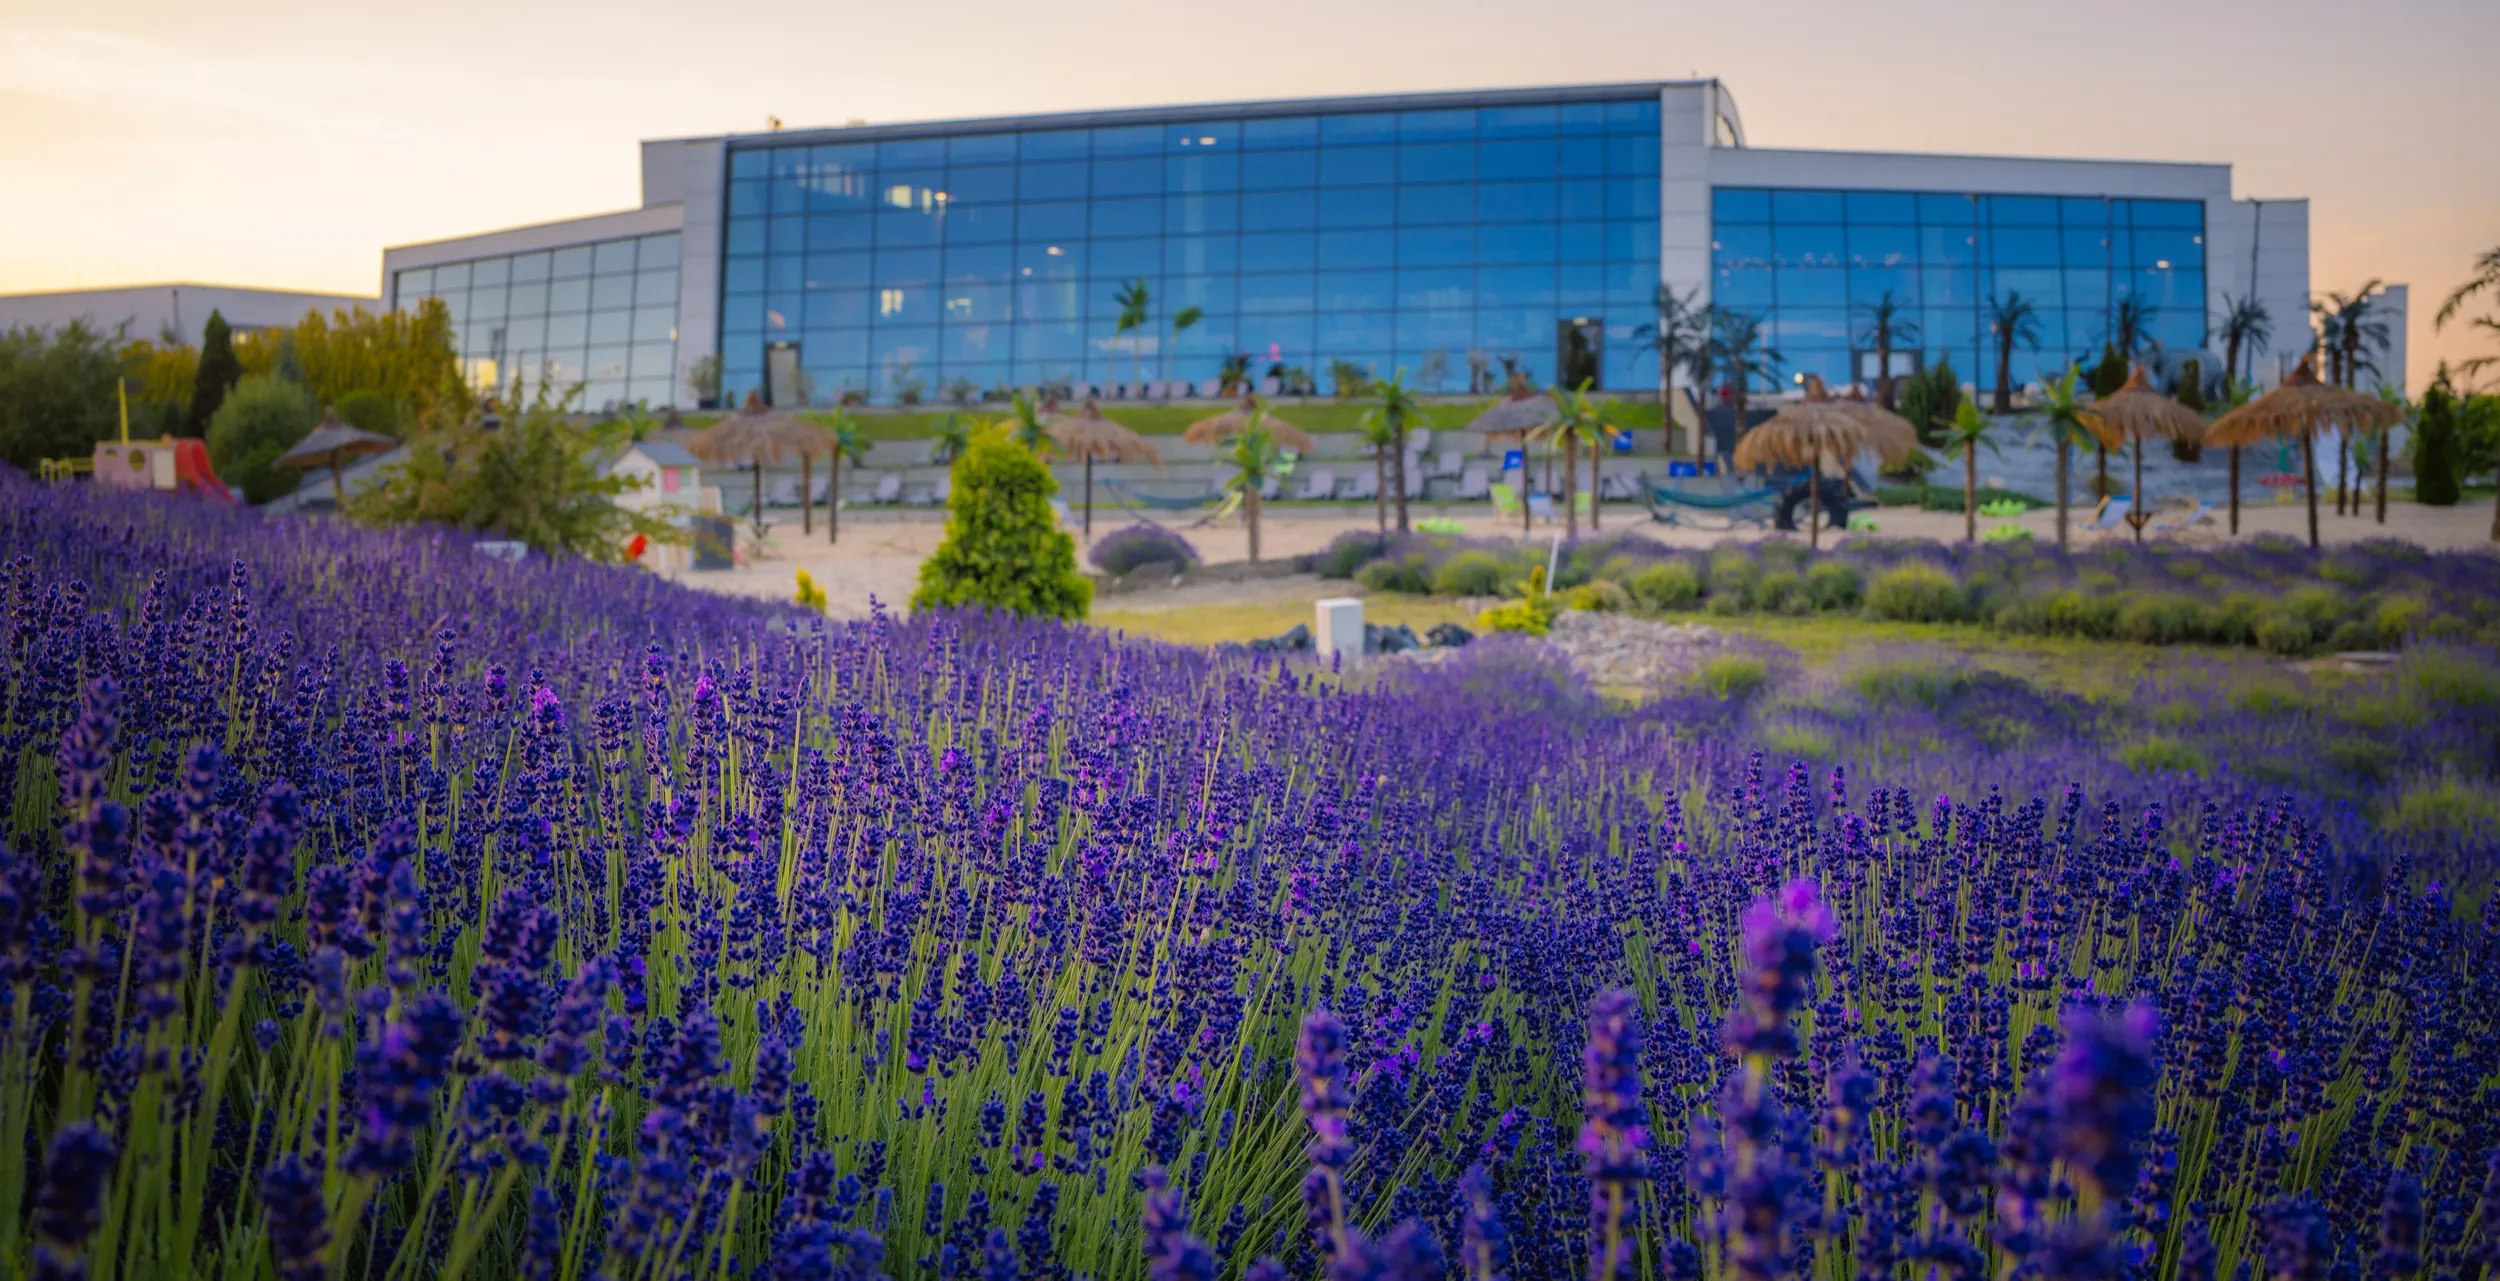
x=373, y=909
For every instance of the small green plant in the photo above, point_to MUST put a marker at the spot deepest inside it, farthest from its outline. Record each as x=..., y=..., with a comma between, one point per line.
x=1916, y=592
x=1003, y=546
x=1532, y=613
x=2283, y=634
x=1599, y=597
x=1441, y=525
x=1472, y=573
x=1732, y=675
x=2001, y=508
x=1833, y=585
x=2445, y=807
x=1796, y=743
x=1903, y=684
x=811, y=596
x=2006, y=534
x=1673, y=584
x=1411, y=574
x=2161, y=756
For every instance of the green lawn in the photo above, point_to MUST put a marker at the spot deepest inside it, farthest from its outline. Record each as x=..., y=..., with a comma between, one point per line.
x=1215, y=624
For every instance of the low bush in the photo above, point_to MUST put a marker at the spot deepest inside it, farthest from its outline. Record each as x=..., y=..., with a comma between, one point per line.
x=1780, y=591
x=1832, y=584
x=1915, y=592
x=1347, y=553
x=1901, y=684
x=1123, y=551
x=1003, y=546
x=2280, y=633
x=1472, y=573
x=1673, y=584
x=2445, y=808
x=1600, y=597
x=2164, y=620
x=1732, y=675
x=1411, y=573
x=2162, y=756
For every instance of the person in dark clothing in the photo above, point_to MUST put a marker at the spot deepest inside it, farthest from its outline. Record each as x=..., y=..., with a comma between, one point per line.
x=1837, y=497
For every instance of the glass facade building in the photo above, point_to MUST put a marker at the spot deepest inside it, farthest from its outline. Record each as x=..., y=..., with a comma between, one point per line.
x=1811, y=262
x=602, y=314
x=1388, y=238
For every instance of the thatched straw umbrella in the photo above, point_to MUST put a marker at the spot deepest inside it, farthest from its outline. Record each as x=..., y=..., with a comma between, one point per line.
x=759, y=436
x=1086, y=434
x=2299, y=407
x=330, y=444
x=1223, y=426
x=2134, y=414
x=1517, y=416
x=1805, y=432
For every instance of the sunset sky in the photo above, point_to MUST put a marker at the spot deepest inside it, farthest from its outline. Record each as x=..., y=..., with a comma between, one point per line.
x=283, y=143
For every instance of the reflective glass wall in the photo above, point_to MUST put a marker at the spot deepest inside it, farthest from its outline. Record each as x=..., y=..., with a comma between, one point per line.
x=1386, y=239
x=604, y=315
x=1811, y=262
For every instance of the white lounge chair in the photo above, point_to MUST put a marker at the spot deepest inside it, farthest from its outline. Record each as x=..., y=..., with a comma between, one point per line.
x=1450, y=466
x=2201, y=514
x=1211, y=388
x=1541, y=507
x=1615, y=488
x=1271, y=386
x=1474, y=486
x=1319, y=486
x=1414, y=483
x=889, y=490
x=1362, y=488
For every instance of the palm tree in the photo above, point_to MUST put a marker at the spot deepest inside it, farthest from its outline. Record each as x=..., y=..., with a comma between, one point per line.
x=2350, y=329
x=1682, y=327
x=2064, y=414
x=2131, y=326
x=2392, y=395
x=1025, y=428
x=1969, y=433
x=1185, y=318
x=1135, y=306
x=1251, y=462
x=843, y=440
x=1577, y=419
x=2245, y=327
x=1736, y=346
x=1885, y=328
x=1378, y=434
x=950, y=440
x=2486, y=278
x=1400, y=410
x=2014, y=319
x=2235, y=394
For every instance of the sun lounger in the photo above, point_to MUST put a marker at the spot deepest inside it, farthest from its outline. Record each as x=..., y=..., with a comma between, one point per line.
x=1616, y=489
x=1473, y=485
x=1319, y=486
x=889, y=490
x=2201, y=514
x=1451, y=465
x=1505, y=500
x=1541, y=507
x=1362, y=488
x=2111, y=518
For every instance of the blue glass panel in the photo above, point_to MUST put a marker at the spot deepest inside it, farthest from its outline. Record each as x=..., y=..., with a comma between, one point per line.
x=1436, y=328
x=1436, y=287
x=1127, y=177
x=1436, y=126
x=1353, y=130
x=2045, y=286
x=1515, y=201
x=1200, y=254
x=1581, y=287
x=907, y=267
x=2185, y=214
x=1217, y=332
x=1436, y=162
x=743, y=275
x=980, y=302
x=1345, y=331
x=1632, y=282
x=1517, y=122
x=1198, y=215
x=1581, y=157
x=966, y=343
x=1947, y=210
x=827, y=349
x=750, y=164
x=1049, y=300
x=1638, y=116
x=1949, y=328
x=1279, y=210
x=1357, y=249
x=1062, y=220
x=896, y=153
x=1807, y=245
x=1125, y=258
x=1277, y=251
x=1868, y=285
x=788, y=197
x=2064, y=330
x=1056, y=180
x=980, y=225
x=2022, y=247
x=1212, y=171
x=746, y=236
x=2178, y=248
x=1632, y=197
x=1581, y=199
x=1948, y=246
x=1813, y=287
x=780, y=313
x=1509, y=329
x=1270, y=293
x=1515, y=287
x=1359, y=207
x=1203, y=134
x=1582, y=117
x=1806, y=206
x=2121, y=247
x=742, y=315
x=2086, y=287
x=1038, y=260
x=1831, y=366
x=2084, y=212
x=1948, y=286
x=1801, y=328
x=1516, y=244
x=1128, y=140
x=1634, y=156
x=2085, y=247
x=912, y=305
x=610, y=292
x=2180, y=327
x=905, y=227
x=1741, y=246
x=2020, y=211
x=1279, y=133
x=980, y=184
x=1882, y=207
x=981, y=149
x=1739, y=204
x=1882, y=246
x=914, y=343
x=1285, y=338
x=1358, y=166
x=785, y=236
x=1208, y=293
x=1134, y=216
x=1355, y=290
x=749, y=199
x=1432, y=206
x=1055, y=144
x=1621, y=240
x=1437, y=247
x=1516, y=159
x=1272, y=170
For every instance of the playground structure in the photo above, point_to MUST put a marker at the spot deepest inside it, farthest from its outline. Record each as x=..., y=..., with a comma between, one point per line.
x=166, y=464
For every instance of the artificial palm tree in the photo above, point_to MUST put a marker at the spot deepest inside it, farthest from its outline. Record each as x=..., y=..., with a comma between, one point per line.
x=2130, y=326
x=1400, y=410
x=1681, y=328
x=1026, y=427
x=1737, y=346
x=2014, y=319
x=2068, y=420
x=2486, y=279
x=1885, y=327
x=2388, y=392
x=1135, y=306
x=1969, y=433
x=1377, y=433
x=2245, y=327
x=1577, y=420
x=2350, y=330
x=950, y=440
x=1185, y=318
x=1253, y=460
x=842, y=440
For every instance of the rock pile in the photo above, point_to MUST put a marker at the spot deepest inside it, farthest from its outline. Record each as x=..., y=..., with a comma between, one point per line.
x=1615, y=649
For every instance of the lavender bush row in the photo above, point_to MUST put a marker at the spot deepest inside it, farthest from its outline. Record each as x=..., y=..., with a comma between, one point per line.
x=373, y=910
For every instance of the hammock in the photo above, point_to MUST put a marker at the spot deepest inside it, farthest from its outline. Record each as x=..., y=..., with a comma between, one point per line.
x=1723, y=511
x=1128, y=497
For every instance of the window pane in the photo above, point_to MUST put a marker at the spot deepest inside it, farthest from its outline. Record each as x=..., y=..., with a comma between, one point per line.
x=835, y=308
x=1279, y=133
x=1516, y=244
x=1262, y=171
x=607, y=293
x=1437, y=247
x=2022, y=247
x=1515, y=287
x=1805, y=206
x=1124, y=259
x=1516, y=159
x=1739, y=204
x=1128, y=140
x=574, y=295
x=1358, y=166
x=1428, y=206
x=1794, y=245
x=1356, y=290
x=1063, y=180
x=1276, y=292
x=1367, y=127
x=1127, y=177
x=984, y=184
x=981, y=148
x=1279, y=210
x=1345, y=331
x=1515, y=201
x=1436, y=287
x=2021, y=211
x=1200, y=254
x=649, y=287
x=1881, y=246
x=1207, y=172
x=613, y=256
x=1055, y=144
x=1277, y=251
x=1516, y=122
x=1358, y=249
x=1437, y=162
x=1359, y=207
x=1138, y=216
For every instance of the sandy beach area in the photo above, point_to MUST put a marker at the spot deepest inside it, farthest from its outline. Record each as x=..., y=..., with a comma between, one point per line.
x=879, y=552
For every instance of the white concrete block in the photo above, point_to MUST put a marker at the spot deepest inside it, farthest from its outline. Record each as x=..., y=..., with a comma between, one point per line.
x=1340, y=629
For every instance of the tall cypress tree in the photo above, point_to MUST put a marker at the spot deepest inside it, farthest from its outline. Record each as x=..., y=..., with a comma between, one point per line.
x=219, y=371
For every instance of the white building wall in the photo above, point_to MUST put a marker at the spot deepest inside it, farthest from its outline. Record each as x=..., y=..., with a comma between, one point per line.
x=1686, y=120
x=2392, y=306
x=2260, y=247
x=702, y=167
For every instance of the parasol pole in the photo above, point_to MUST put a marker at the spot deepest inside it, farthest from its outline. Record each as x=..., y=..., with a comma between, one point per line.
x=1814, y=501
x=1089, y=496
x=338, y=487
x=2235, y=491
x=807, y=501
x=2309, y=468
x=2135, y=502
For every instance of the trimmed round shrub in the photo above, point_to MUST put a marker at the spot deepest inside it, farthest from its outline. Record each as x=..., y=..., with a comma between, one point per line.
x=1411, y=574
x=2090, y=614
x=1347, y=553
x=1732, y=675
x=2164, y=620
x=1003, y=547
x=1915, y=592
x=1472, y=573
x=2283, y=634
x=1832, y=584
x=1600, y=597
x=1780, y=590
x=1123, y=551
x=2353, y=635
x=373, y=411
x=260, y=419
x=1673, y=584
